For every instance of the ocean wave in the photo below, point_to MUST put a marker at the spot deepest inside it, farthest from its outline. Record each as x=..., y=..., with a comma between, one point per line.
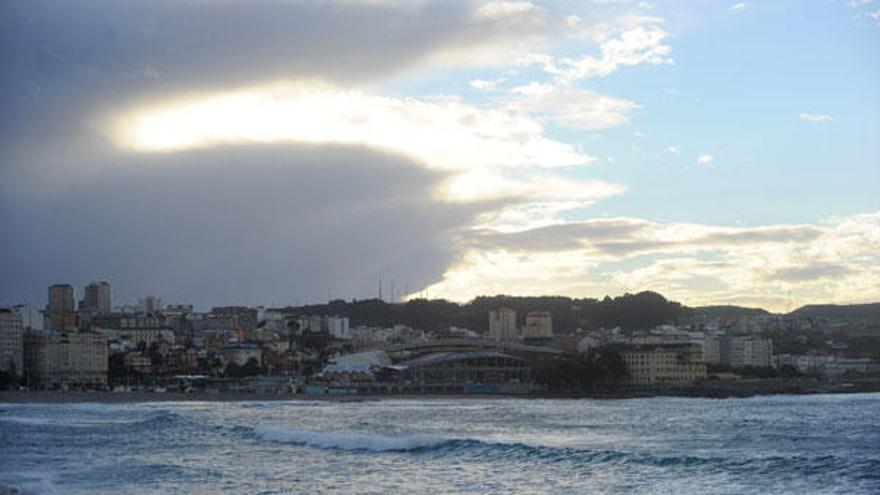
x=88, y=422
x=349, y=442
x=484, y=450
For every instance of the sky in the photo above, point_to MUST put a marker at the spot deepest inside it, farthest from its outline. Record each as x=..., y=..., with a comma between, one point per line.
x=287, y=152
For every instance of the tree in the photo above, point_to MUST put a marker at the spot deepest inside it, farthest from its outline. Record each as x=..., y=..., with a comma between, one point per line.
x=575, y=372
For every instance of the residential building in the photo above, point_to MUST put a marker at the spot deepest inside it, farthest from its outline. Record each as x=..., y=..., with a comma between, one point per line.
x=60, y=311
x=11, y=342
x=539, y=325
x=338, y=327
x=97, y=299
x=737, y=351
x=149, y=305
x=502, y=325
x=65, y=359
x=240, y=354
x=669, y=365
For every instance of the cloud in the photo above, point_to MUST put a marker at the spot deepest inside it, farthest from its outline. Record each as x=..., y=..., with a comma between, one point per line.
x=494, y=152
x=810, y=272
x=626, y=42
x=576, y=109
x=267, y=224
x=503, y=10
x=706, y=159
x=483, y=84
x=740, y=7
x=61, y=64
x=673, y=150
x=772, y=266
x=815, y=118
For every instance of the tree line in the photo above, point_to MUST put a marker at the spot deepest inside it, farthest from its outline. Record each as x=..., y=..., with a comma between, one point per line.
x=629, y=311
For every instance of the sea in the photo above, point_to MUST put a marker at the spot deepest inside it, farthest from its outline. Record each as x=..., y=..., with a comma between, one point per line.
x=822, y=444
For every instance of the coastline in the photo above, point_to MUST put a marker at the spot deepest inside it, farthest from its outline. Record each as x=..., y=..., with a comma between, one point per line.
x=706, y=390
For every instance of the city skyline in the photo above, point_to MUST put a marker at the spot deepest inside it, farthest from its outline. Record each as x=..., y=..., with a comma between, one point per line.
x=695, y=149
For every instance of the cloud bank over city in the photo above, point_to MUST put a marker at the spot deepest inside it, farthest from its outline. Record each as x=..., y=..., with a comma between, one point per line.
x=283, y=152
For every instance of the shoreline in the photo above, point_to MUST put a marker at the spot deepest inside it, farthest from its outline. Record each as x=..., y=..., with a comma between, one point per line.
x=705, y=391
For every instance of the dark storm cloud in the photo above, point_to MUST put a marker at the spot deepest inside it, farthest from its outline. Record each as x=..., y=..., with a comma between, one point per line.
x=243, y=224
x=268, y=224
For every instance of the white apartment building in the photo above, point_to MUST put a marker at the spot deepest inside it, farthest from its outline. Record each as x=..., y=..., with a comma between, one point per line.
x=502, y=325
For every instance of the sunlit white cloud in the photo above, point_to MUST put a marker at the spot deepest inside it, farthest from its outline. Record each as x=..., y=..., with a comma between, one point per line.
x=706, y=159
x=815, y=118
x=625, y=42
x=771, y=266
x=442, y=132
x=572, y=108
x=483, y=84
x=493, y=153
x=740, y=7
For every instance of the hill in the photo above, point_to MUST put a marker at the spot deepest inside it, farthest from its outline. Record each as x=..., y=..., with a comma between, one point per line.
x=727, y=311
x=629, y=311
x=867, y=313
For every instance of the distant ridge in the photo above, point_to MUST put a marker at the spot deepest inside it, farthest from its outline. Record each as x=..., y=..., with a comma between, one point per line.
x=728, y=311
x=867, y=313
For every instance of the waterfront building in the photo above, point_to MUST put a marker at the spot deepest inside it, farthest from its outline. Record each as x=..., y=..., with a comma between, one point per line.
x=502, y=325
x=453, y=370
x=737, y=351
x=539, y=325
x=137, y=362
x=11, y=342
x=65, y=359
x=669, y=364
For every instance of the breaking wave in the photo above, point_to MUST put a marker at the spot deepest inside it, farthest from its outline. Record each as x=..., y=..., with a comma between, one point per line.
x=349, y=442
x=521, y=452
x=158, y=417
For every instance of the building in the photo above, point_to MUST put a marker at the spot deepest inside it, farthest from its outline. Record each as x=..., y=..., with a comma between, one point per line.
x=539, y=325
x=149, y=305
x=738, y=351
x=65, y=359
x=338, y=327
x=502, y=325
x=11, y=342
x=146, y=336
x=60, y=311
x=669, y=365
x=61, y=299
x=98, y=299
x=452, y=370
x=137, y=362
x=240, y=354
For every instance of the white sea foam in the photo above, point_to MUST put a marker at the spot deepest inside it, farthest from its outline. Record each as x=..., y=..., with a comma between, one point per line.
x=350, y=442
x=73, y=422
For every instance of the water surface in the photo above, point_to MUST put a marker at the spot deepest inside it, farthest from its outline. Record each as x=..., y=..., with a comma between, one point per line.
x=780, y=444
